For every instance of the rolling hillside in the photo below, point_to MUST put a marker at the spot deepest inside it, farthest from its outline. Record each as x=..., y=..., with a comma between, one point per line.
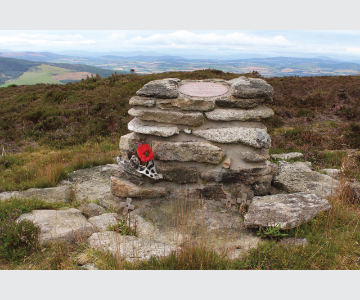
x=24, y=72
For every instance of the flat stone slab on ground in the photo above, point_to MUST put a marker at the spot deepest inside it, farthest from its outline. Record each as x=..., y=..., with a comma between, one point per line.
x=294, y=241
x=103, y=221
x=254, y=137
x=298, y=177
x=91, y=209
x=89, y=184
x=165, y=131
x=127, y=247
x=206, y=223
x=288, y=210
x=289, y=155
x=66, y=224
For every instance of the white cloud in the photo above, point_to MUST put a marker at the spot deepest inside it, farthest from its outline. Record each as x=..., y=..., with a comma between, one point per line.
x=39, y=39
x=184, y=38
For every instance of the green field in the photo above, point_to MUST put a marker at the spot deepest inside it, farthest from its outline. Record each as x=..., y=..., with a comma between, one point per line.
x=40, y=74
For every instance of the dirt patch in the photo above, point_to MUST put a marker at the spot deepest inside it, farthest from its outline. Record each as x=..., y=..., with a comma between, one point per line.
x=72, y=76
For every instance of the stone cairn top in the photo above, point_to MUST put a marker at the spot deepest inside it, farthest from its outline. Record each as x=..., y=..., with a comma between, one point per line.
x=206, y=137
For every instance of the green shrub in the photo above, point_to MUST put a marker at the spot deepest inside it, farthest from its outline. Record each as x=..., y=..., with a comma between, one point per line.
x=17, y=240
x=122, y=228
x=353, y=135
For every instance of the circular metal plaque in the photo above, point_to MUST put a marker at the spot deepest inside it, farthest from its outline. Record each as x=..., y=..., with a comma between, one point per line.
x=203, y=89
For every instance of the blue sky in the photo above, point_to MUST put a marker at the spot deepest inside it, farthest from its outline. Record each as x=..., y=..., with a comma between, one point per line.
x=340, y=44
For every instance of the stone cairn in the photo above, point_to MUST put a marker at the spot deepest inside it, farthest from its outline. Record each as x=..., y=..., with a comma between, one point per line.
x=207, y=138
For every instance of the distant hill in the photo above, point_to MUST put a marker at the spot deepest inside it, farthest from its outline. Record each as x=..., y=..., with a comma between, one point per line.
x=22, y=72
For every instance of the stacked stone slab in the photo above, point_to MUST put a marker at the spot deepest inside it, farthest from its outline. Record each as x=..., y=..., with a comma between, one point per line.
x=207, y=137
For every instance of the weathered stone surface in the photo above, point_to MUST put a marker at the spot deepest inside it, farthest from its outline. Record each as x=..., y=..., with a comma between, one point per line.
x=67, y=225
x=254, y=137
x=142, y=101
x=294, y=178
x=129, y=247
x=164, y=116
x=89, y=184
x=243, y=87
x=54, y=194
x=256, y=114
x=91, y=209
x=226, y=164
x=289, y=155
x=288, y=210
x=241, y=103
x=103, y=221
x=128, y=141
x=186, y=104
x=122, y=189
x=205, y=223
x=203, y=89
x=252, y=157
x=187, y=151
x=245, y=176
x=294, y=242
x=261, y=188
x=334, y=173
x=165, y=131
x=165, y=88
x=125, y=172
x=178, y=173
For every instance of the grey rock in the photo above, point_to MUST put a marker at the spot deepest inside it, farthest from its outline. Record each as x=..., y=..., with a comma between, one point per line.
x=246, y=88
x=245, y=176
x=54, y=194
x=261, y=188
x=91, y=209
x=289, y=155
x=207, y=223
x=165, y=131
x=252, y=157
x=67, y=225
x=178, y=173
x=127, y=173
x=164, y=88
x=186, y=104
x=87, y=184
x=294, y=178
x=256, y=114
x=103, y=221
x=294, y=241
x=288, y=210
x=226, y=164
x=89, y=266
x=164, y=116
x=187, y=151
x=142, y=101
x=128, y=141
x=241, y=103
x=121, y=188
x=253, y=137
x=127, y=247
x=334, y=173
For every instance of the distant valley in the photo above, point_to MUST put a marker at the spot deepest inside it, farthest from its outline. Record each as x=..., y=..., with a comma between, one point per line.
x=45, y=67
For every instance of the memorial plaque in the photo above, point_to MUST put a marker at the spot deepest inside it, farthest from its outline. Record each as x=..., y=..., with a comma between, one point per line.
x=203, y=89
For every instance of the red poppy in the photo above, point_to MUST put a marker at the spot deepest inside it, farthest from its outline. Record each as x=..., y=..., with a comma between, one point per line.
x=145, y=153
